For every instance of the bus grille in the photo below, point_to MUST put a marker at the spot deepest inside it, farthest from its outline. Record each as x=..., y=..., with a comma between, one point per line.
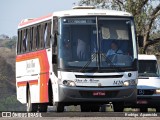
x=89, y=94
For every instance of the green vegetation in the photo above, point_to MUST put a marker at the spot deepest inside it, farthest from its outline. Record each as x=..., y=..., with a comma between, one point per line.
x=10, y=103
x=8, y=100
x=10, y=44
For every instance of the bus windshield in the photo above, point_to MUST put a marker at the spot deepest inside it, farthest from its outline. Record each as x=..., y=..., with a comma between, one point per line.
x=95, y=42
x=148, y=68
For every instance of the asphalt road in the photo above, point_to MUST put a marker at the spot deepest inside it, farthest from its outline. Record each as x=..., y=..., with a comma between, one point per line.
x=82, y=116
x=77, y=115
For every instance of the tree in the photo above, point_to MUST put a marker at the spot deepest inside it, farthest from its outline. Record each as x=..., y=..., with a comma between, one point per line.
x=10, y=44
x=146, y=14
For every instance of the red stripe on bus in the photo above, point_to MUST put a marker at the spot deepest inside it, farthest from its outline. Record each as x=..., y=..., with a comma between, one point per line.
x=33, y=82
x=35, y=20
x=44, y=68
x=24, y=83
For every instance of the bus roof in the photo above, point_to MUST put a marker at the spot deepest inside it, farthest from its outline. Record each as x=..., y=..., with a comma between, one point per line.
x=91, y=12
x=74, y=12
x=146, y=57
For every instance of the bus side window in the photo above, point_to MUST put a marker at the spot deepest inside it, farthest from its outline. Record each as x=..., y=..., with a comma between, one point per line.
x=41, y=37
x=38, y=37
x=22, y=49
x=45, y=34
x=19, y=42
x=34, y=39
x=48, y=35
x=24, y=40
x=29, y=39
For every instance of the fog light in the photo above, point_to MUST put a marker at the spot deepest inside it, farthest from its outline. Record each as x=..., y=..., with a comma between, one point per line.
x=69, y=83
x=65, y=82
x=157, y=91
x=72, y=84
x=126, y=83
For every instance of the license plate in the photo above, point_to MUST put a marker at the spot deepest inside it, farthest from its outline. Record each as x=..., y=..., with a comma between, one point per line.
x=99, y=93
x=142, y=102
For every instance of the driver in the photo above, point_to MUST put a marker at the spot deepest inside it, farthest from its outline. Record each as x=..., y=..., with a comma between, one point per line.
x=114, y=49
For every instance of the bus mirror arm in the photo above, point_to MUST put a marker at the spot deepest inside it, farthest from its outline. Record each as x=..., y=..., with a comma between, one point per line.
x=54, y=40
x=54, y=59
x=54, y=48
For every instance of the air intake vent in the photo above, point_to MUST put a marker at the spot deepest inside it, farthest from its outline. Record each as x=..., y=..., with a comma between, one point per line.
x=102, y=76
x=84, y=7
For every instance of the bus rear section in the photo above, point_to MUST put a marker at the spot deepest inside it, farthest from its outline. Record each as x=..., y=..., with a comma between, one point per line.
x=92, y=60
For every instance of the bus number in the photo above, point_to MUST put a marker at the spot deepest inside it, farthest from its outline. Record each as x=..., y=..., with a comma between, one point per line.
x=118, y=82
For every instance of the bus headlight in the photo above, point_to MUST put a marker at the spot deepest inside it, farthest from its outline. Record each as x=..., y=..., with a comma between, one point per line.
x=126, y=83
x=157, y=91
x=129, y=82
x=69, y=83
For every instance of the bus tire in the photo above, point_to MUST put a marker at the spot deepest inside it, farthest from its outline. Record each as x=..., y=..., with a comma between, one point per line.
x=50, y=93
x=118, y=107
x=103, y=108
x=31, y=107
x=85, y=108
x=43, y=107
x=157, y=109
x=60, y=107
x=143, y=109
x=95, y=108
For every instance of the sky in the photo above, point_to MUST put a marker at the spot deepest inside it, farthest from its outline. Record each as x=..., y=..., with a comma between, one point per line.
x=13, y=11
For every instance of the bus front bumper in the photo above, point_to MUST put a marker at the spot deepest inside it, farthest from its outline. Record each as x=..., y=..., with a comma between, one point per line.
x=86, y=94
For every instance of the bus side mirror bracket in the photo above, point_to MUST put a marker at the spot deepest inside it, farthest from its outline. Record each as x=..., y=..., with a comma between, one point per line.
x=55, y=40
x=54, y=49
x=140, y=40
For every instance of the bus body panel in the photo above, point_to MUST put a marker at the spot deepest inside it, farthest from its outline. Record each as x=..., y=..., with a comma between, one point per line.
x=112, y=86
x=33, y=68
x=85, y=94
x=108, y=79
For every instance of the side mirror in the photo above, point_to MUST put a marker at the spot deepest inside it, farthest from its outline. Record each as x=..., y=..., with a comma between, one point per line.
x=54, y=40
x=140, y=40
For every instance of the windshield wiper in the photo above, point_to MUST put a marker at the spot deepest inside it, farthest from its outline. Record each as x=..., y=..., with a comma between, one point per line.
x=86, y=65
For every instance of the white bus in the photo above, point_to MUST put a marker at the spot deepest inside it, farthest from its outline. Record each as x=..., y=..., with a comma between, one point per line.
x=83, y=56
x=148, y=88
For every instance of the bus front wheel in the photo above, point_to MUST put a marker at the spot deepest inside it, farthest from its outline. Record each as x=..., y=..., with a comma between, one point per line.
x=143, y=109
x=85, y=108
x=158, y=109
x=43, y=107
x=60, y=107
x=31, y=107
x=90, y=107
x=118, y=107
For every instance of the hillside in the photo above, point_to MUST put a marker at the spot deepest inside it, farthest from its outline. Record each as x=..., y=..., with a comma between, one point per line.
x=8, y=100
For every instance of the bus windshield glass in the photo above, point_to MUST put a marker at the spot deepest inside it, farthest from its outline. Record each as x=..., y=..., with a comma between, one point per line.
x=148, y=68
x=95, y=42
